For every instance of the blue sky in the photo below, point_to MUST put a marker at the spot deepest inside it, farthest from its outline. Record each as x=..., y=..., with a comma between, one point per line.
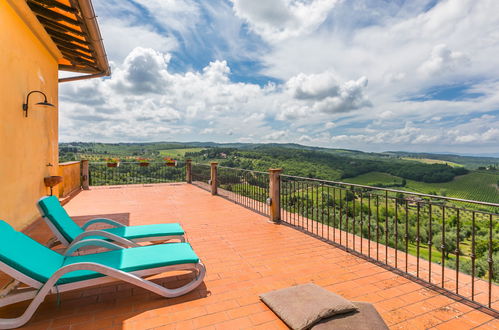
x=372, y=75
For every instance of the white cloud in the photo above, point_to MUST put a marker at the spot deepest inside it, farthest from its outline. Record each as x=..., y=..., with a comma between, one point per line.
x=144, y=71
x=314, y=86
x=481, y=130
x=144, y=96
x=492, y=134
x=281, y=19
x=387, y=114
x=390, y=43
x=305, y=138
x=276, y=135
x=322, y=93
x=443, y=60
x=121, y=37
x=321, y=53
x=208, y=131
x=144, y=100
x=178, y=15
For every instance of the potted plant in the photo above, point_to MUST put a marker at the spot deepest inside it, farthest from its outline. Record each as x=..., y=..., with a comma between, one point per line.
x=143, y=161
x=113, y=162
x=170, y=162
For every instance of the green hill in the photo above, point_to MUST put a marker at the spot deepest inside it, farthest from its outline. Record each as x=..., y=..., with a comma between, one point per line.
x=476, y=185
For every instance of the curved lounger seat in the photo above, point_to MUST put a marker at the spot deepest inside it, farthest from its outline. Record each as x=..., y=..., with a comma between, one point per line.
x=46, y=272
x=68, y=232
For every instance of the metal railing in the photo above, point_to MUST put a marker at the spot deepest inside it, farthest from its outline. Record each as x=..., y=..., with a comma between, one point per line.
x=100, y=174
x=245, y=187
x=449, y=243
x=201, y=176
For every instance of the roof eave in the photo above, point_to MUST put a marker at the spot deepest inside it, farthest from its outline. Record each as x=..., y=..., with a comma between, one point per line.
x=88, y=14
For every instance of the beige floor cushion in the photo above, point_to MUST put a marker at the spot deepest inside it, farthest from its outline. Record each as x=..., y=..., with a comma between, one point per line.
x=366, y=318
x=304, y=305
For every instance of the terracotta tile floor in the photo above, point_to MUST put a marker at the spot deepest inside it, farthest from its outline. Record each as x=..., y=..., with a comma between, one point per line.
x=245, y=256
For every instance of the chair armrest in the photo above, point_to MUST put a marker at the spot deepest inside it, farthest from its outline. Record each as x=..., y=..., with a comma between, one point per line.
x=102, y=220
x=104, y=234
x=91, y=243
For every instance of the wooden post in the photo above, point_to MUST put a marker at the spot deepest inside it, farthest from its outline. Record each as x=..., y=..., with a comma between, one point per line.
x=213, y=180
x=188, y=170
x=85, y=180
x=275, y=194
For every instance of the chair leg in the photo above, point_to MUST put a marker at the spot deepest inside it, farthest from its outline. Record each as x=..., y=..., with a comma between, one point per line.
x=38, y=296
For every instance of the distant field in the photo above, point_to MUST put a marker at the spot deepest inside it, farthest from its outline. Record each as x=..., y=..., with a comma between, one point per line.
x=373, y=178
x=476, y=185
x=178, y=152
x=433, y=161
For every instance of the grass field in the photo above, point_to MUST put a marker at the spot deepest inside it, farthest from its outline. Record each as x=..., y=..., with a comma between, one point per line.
x=476, y=185
x=178, y=152
x=373, y=178
x=433, y=161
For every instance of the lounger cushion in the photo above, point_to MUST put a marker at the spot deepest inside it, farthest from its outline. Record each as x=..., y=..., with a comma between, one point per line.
x=303, y=305
x=129, y=260
x=134, y=232
x=366, y=318
x=26, y=255
x=53, y=210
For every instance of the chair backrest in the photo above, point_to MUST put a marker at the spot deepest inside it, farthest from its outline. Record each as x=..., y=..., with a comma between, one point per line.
x=27, y=256
x=57, y=215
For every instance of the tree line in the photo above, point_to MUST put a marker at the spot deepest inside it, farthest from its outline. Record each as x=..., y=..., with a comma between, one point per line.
x=326, y=165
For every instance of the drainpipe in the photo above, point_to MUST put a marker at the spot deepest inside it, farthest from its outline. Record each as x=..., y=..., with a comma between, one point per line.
x=87, y=76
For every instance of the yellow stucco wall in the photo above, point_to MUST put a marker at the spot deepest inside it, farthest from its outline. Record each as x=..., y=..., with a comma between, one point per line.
x=27, y=145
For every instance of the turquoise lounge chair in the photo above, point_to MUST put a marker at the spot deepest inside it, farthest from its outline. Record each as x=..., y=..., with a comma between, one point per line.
x=45, y=271
x=68, y=232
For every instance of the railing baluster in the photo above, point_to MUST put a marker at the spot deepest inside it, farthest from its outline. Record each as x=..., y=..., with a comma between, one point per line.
x=328, y=213
x=472, y=256
x=361, y=221
x=353, y=217
x=418, y=239
x=322, y=209
x=443, y=247
x=406, y=235
x=317, y=209
x=347, y=215
x=341, y=217
x=253, y=194
x=287, y=196
x=386, y=227
x=490, y=261
x=297, y=203
x=302, y=202
x=369, y=226
x=429, y=242
x=457, y=251
x=396, y=232
x=306, y=206
x=377, y=227
x=334, y=214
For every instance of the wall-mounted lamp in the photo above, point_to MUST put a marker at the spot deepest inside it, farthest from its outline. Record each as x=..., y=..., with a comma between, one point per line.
x=25, y=105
